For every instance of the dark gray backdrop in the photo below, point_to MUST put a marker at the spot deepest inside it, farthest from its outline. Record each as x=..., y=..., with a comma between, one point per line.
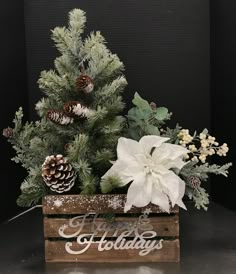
x=13, y=87
x=165, y=45
x=223, y=91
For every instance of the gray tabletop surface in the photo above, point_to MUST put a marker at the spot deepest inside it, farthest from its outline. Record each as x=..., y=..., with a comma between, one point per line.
x=208, y=246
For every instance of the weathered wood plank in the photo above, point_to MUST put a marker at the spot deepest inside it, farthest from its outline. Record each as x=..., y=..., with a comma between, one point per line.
x=55, y=252
x=81, y=204
x=164, y=226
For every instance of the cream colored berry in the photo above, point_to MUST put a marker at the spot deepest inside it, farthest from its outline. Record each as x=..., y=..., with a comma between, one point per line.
x=192, y=148
x=202, y=136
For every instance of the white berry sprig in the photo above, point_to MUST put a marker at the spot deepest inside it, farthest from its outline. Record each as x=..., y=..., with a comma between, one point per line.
x=201, y=146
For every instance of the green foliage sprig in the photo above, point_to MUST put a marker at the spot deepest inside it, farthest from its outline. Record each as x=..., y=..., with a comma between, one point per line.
x=143, y=120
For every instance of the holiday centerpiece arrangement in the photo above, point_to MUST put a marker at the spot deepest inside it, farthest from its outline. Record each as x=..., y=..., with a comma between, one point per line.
x=111, y=184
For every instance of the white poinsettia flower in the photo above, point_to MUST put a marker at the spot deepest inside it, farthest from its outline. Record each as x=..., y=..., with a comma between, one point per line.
x=148, y=165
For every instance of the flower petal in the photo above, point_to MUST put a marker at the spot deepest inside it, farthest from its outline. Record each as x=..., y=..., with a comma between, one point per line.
x=118, y=169
x=149, y=141
x=172, y=184
x=169, y=155
x=139, y=193
x=179, y=201
x=160, y=199
x=174, y=151
x=127, y=149
x=177, y=163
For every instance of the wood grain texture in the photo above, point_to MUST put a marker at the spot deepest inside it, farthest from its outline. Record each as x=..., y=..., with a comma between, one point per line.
x=57, y=207
x=81, y=204
x=55, y=252
x=163, y=226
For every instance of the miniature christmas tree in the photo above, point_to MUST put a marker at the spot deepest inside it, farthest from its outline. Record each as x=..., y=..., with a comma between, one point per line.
x=72, y=147
x=79, y=117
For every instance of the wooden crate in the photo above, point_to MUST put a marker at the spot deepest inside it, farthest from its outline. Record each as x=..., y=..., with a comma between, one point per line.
x=79, y=228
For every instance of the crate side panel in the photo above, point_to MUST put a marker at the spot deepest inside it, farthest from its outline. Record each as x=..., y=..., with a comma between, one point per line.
x=81, y=204
x=55, y=252
x=164, y=226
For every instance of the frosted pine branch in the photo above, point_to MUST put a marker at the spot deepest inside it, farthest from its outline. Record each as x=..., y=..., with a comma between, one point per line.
x=114, y=88
x=90, y=42
x=78, y=148
x=203, y=171
x=52, y=84
x=65, y=65
x=103, y=64
x=199, y=196
x=62, y=39
x=77, y=22
x=45, y=104
x=214, y=169
x=110, y=183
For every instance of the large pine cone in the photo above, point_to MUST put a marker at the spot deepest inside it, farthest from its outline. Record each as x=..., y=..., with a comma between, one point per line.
x=58, y=174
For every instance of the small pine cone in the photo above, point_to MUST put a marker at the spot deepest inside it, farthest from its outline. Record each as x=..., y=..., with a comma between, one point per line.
x=7, y=132
x=84, y=83
x=153, y=106
x=193, y=181
x=58, y=174
x=76, y=109
x=59, y=117
x=67, y=146
x=69, y=108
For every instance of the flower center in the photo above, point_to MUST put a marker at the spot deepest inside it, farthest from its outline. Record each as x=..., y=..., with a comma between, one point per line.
x=148, y=169
x=149, y=166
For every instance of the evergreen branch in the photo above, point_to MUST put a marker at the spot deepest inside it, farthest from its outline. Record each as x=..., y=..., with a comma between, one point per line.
x=98, y=116
x=78, y=148
x=77, y=20
x=45, y=104
x=66, y=67
x=103, y=65
x=61, y=37
x=90, y=42
x=18, y=120
x=30, y=197
x=114, y=126
x=114, y=88
x=214, y=169
x=21, y=143
x=103, y=158
x=114, y=105
x=172, y=134
x=32, y=190
x=82, y=169
x=52, y=84
x=110, y=183
x=88, y=186
x=202, y=171
x=199, y=196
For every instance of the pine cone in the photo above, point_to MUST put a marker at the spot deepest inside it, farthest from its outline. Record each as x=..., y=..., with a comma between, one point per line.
x=76, y=109
x=69, y=107
x=67, y=146
x=58, y=174
x=7, y=132
x=84, y=83
x=59, y=117
x=193, y=181
x=153, y=106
